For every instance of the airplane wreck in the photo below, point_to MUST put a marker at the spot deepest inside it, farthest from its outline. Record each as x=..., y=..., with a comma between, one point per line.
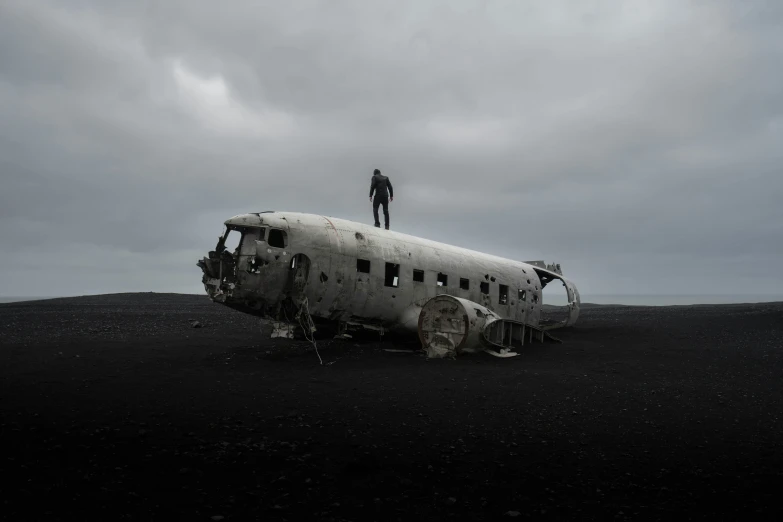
x=305, y=271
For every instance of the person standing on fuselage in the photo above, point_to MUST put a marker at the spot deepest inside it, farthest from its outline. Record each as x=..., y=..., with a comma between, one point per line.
x=379, y=184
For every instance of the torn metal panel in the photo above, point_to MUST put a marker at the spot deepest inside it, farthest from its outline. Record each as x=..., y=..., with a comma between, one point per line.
x=354, y=273
x=504, y=353
x=552, y=267
x=281, y=329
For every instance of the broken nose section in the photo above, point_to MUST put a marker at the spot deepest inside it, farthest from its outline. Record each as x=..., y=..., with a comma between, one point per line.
x=218, y=291
x=218, y=275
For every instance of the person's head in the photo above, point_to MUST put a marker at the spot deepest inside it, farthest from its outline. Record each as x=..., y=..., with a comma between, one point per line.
x=376, y=171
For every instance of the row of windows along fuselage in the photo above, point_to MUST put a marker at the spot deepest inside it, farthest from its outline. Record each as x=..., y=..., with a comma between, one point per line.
x=392, y=279
x=278, y=238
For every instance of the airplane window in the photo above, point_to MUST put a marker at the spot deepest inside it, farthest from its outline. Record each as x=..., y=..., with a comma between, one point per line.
x=232, y=239
x=392, y=275
x=277, y=238
x=503, y=297
x=442, y=279
x=485, y=288
x=522, y=295
x=363, y=266
x=418, y=275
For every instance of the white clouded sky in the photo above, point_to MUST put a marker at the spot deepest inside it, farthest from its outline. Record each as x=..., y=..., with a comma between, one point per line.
x=636, y=143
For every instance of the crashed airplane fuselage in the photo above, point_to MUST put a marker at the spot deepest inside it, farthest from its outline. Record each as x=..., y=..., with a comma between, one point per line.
x=354, y=275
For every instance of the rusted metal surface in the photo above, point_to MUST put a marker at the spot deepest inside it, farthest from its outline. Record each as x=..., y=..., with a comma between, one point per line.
x=339, y=266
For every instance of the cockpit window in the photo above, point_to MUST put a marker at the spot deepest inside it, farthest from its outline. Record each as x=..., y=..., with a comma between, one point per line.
x=231, y=240
x=277, y=238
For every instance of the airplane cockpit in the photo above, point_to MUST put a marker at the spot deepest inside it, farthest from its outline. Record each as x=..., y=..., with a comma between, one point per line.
x=240, y=262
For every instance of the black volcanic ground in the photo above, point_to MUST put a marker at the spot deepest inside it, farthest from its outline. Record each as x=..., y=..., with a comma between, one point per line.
x=116, y=408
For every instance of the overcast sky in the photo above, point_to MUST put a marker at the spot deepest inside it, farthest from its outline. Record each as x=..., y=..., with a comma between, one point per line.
x=638, y=144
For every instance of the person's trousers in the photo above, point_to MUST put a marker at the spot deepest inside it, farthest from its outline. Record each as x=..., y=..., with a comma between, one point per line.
x=376, y=202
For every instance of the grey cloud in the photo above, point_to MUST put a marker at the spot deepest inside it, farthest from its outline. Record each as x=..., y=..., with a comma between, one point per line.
x=638, y=146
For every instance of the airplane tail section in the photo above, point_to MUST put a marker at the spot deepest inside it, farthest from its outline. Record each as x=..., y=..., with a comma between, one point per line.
x=548, y=272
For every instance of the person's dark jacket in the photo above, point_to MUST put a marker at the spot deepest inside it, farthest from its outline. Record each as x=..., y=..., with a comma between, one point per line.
x=379, y=184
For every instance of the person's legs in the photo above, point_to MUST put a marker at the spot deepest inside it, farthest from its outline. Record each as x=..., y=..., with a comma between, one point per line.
x=386, y=212
x=375, y=202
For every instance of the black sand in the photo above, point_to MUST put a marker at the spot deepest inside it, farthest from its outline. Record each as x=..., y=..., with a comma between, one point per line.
x=116, y=408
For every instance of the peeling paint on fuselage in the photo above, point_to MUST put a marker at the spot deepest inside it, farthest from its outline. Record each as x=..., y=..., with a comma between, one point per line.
x=327, y=250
